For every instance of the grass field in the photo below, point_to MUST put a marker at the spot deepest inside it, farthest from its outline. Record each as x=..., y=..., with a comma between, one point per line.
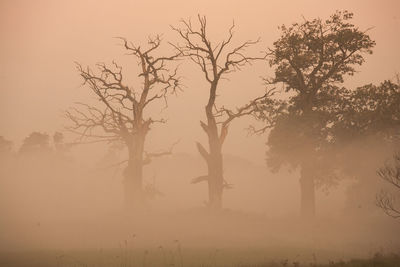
x=161, y=257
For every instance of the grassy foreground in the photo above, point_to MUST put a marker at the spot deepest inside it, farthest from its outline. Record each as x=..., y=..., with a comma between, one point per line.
x=164, y=258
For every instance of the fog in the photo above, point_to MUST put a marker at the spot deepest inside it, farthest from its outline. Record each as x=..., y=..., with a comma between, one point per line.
x=64, y=198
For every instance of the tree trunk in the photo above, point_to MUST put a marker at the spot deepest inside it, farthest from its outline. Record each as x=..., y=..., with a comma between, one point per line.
x=215, y=161
x=215, y=181
x=134, y=196
x=307, y=193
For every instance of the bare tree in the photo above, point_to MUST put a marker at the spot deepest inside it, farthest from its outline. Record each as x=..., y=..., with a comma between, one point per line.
x=215, y=62
x=122, y=113
x=390, y=174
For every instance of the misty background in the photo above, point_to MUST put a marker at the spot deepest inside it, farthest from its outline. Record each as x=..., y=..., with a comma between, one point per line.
x=74, y=197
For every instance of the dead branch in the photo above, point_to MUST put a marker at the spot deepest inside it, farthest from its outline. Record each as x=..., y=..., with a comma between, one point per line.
x=148, y=157
x=203, y=152
x=209, y=58
x=248, y=109
x=386, y=202
x=390, y=174
x=199, y=179
x=123, y=106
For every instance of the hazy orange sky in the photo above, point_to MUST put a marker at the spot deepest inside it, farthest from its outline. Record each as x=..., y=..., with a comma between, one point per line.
x=40, y=40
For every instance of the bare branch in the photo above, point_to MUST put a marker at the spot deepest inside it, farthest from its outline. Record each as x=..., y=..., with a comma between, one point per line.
x=199, y=179
x=386, y=202
x=149, y=156
x=391, y=174
x=203, y=152
x=248, y=109
x=199, y=49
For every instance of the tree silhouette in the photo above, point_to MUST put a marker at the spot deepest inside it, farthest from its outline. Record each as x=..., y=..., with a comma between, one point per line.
x=391, y=174
x=36, y=142
x=121, y=116
x=5, y=146
x=215, y=61
x=311, y=59
x=371, y=112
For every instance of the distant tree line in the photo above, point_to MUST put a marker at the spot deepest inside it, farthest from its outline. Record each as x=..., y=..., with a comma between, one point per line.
x=35, y=142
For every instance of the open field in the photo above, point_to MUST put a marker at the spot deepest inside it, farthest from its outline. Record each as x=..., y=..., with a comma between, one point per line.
x=199, y=238
x=158, y=257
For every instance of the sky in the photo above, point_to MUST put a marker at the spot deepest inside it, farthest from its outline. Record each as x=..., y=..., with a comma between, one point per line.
x=41, y=40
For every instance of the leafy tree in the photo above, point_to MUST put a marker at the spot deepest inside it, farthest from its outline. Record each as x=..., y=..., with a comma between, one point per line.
x=36, y=142
x=368, y=126
x=5, y=146
x=370, y=110
x=312, y=59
